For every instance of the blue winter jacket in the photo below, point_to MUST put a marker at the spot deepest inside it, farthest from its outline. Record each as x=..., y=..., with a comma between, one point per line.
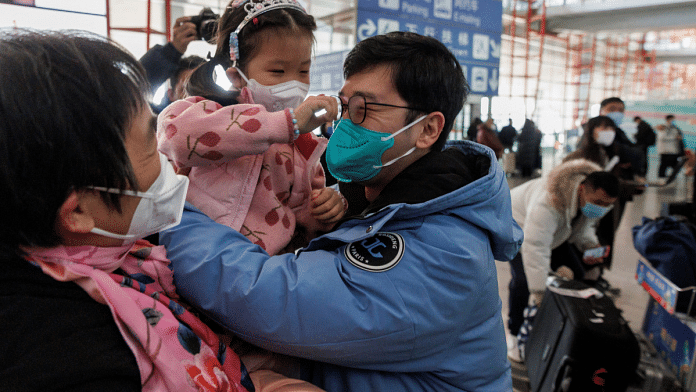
x=402, y=299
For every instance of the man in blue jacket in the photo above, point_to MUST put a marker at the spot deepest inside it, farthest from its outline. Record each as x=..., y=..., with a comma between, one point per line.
x=402, y=295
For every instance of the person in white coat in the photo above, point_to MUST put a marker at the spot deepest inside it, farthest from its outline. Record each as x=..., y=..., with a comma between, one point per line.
x=670, y=145
x=563, y=206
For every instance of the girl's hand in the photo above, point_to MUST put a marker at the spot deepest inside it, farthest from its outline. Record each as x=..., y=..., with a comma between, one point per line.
x=328, y=206
x=305, y=114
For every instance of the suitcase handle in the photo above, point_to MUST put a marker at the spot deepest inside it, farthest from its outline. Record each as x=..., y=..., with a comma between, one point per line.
x=563, y=373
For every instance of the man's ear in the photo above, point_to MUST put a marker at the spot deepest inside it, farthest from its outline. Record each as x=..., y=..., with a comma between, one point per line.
x=234, y=78
x=171, y=95
x=432, y=128
x=74, y=216
x=581, y=193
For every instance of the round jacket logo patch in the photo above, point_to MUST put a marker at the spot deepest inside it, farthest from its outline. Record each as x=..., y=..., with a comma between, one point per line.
x=378, y=253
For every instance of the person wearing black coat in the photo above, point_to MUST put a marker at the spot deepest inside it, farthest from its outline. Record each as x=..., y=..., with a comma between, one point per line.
x=528, y=145
x=507, y=135
x=645, y=137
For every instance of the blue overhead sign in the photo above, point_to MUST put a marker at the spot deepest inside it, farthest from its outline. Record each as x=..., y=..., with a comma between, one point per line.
x=326, y=73
x=471, y=29
x=484, y=15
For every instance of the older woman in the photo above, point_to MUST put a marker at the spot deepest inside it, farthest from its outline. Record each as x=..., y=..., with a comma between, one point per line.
x=84, y=303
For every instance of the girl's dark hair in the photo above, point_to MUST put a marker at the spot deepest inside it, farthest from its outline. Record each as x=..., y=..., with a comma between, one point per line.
x=588, y=147
x=202, y=83
x=587, y=139
x=64, y=129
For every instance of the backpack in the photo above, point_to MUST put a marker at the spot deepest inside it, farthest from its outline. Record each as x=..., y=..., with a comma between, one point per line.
x=650, y=138
x=669, y=244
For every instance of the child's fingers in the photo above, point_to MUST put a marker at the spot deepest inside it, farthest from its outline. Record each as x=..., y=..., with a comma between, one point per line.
x=326, y=201
x=333, y=212
x=322, y=209
x=320, y=196
x=315, y=111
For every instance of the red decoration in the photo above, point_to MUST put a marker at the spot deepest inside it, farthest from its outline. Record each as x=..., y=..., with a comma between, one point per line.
x=170, y=131
x=212, y=155
x=210, y=139
x=250, y=112
x=251, y=125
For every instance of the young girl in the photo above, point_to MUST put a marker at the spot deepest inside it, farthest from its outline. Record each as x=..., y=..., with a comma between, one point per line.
x=254, y=165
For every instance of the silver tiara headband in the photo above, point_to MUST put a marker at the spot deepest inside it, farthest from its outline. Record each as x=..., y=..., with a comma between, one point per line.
x=252, y=11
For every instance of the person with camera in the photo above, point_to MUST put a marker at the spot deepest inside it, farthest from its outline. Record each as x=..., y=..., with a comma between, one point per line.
x=162, y=61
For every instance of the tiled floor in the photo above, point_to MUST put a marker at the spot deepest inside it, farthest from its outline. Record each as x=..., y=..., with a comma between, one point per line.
x=632, y=299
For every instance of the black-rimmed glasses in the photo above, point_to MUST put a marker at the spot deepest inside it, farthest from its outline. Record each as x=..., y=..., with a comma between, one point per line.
x=357, y=108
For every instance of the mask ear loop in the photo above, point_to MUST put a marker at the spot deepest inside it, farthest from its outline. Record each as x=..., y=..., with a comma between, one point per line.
x=395, y=159
x=396, y=133
x=419, y=119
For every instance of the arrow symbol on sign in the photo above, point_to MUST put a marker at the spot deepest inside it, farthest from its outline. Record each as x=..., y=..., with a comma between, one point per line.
x=493, y=81
x=495, y=49
x=366, y=29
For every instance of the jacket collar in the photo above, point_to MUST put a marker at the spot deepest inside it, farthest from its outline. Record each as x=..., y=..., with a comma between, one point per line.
x=434, y=175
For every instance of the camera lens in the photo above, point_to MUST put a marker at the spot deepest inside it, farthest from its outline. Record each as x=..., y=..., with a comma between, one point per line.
x=206, y=24
x=207, y=29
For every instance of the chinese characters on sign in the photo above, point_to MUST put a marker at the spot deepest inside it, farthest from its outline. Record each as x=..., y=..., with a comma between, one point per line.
x=471, y=29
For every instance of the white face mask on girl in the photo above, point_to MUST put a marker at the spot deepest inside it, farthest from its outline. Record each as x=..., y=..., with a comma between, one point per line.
x=288, y=95
x=160, y=208
x=605, y=138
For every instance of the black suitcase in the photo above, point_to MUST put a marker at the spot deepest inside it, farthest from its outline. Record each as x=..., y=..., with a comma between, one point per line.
x=579, y=344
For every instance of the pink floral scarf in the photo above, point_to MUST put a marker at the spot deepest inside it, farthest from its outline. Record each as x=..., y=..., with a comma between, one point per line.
x=175, y=350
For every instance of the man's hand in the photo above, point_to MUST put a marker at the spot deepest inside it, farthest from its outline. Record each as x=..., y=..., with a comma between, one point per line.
x=184, y=33
x=593, y=260
x=327, y=205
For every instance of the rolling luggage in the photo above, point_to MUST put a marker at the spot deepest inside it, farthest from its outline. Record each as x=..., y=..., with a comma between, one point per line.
x=653, y=375
x=580, y=342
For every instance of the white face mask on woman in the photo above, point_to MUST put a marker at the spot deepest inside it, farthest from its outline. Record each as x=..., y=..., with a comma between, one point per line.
x=160, y=208
x=288, y=95
x=605, y=138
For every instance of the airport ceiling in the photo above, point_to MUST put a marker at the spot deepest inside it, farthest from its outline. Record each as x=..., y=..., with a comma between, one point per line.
x=563, y=16
x=336, y=13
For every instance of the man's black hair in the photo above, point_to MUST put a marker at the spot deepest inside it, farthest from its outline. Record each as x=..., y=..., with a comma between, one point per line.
x=669, y=117
x=424, y=72
x=611, y=100
x=603, y=180
x=64, y=129
x=636, y=118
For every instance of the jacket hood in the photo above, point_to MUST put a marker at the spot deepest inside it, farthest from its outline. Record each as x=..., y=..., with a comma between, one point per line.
x=563, y=183
x=479, y=194
x=485, y=203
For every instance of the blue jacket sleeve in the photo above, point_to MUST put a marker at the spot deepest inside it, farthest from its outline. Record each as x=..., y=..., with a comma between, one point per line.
x=302, y=305
x=160, y=63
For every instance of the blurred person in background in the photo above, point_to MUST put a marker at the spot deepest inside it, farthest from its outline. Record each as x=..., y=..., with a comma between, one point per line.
x=507, y=135
x=487, y=136
x=670, y=145
x=645, y=137
x=528, y=148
